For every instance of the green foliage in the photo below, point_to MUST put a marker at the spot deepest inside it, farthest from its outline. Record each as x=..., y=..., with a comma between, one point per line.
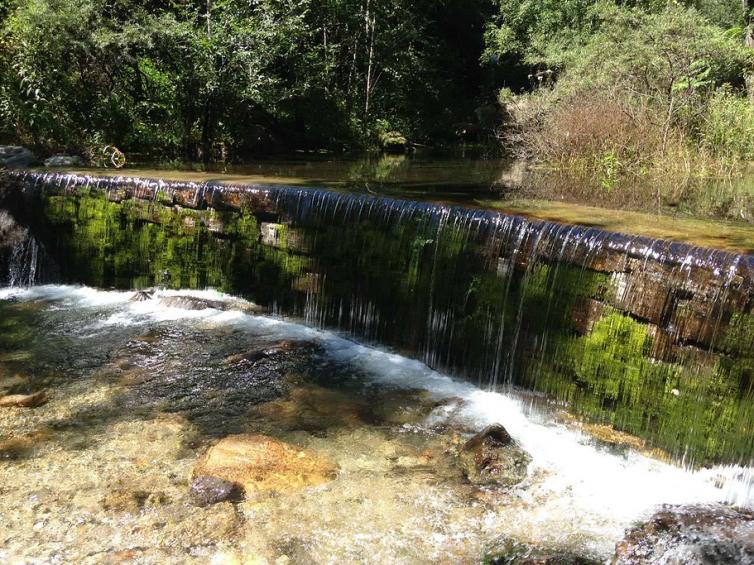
x=728, y=126
x=201, y=79
x=642, y=87
x=667, y=58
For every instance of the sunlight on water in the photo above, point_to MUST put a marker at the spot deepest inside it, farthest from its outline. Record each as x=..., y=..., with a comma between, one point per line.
x=570, y=476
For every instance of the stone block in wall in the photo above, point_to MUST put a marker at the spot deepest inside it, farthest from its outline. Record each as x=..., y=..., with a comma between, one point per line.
x=187, y=197
x=699, y=322
x=271, y=234
x=214, y=223
x=586, y=312
x=281, y=236
x=663, y=344
x=117, y=195
x=643, y=294
x=189, y=223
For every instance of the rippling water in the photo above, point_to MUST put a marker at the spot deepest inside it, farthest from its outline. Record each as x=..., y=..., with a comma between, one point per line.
x=580, y=493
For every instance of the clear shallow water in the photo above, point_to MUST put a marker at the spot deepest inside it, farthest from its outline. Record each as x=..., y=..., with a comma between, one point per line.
x=580, y=494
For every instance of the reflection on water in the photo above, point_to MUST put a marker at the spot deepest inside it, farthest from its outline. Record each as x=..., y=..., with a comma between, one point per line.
x=715, y=212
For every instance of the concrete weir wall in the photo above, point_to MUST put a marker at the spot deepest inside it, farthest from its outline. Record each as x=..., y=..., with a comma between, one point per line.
x=636, y=332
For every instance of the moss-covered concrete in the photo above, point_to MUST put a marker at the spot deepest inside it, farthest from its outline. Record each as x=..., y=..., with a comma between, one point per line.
x=647, y=345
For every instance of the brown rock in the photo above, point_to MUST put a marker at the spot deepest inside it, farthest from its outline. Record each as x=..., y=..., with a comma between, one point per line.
x=692, y=535
x=312, y=408
x=493, y=457
x=15, y=448
x=254, y=355
x=127, y=500
x=261, y=464
x=24, y=400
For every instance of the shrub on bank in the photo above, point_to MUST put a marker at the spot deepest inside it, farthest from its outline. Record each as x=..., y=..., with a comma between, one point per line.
x=644, y=93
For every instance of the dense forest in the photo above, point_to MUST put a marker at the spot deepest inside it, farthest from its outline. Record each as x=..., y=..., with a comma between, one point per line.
x=608, y=84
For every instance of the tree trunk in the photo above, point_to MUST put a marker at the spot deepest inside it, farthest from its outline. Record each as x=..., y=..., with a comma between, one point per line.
x=748, y=7
x=369, y=24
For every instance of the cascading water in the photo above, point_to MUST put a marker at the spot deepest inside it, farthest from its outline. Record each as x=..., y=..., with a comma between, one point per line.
x=22, y=268
x=650, y=337
x=19, y=253
x=640, y=333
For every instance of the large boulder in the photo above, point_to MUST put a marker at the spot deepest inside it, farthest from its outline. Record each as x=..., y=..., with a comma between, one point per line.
x=492, y=457
x=15, y=157
x=61, y=160
x=260, y=464
x=690, y=535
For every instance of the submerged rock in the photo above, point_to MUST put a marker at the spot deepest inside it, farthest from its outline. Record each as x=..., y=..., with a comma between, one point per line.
x=128, y=500
x=493, y=457
x=14, y=156
x=15, y=448
x=211, y=490
x=508, y=552
x=142, y=295
x=254, y=355
x=24, y=400
x=9, y=382
x=196, y=303
x=62, y=160
x=260, y=463
x=404, y=406
x=312, y=408
x=690, y=535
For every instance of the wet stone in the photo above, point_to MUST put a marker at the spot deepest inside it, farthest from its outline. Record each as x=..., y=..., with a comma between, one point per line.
x=211, y=490
x=142, y=295
x=286, y=346
x=126, y=500
x=492, y=457
x=312, y=408
x=260, y=463
x=24, y=400
x=508, y=552
x=195, y=303
x=691, y=535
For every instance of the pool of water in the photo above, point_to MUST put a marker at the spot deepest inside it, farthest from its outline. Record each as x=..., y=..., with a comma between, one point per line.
x=138, y=390
x=716, y=213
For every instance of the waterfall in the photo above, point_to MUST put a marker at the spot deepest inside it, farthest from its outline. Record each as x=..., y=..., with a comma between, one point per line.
x=646, y=335
x=23, y=263
x=19, y=253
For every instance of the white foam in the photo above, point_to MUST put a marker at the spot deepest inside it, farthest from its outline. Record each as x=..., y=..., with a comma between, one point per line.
x=575, y=480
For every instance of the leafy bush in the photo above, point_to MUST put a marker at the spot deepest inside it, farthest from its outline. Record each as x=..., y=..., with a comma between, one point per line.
x=728, y=128
x=645, y=91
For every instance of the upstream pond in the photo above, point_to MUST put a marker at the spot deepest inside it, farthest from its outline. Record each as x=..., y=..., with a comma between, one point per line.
x=346, y=347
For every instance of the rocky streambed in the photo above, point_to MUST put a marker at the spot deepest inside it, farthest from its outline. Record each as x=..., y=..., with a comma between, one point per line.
x=173, y=428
